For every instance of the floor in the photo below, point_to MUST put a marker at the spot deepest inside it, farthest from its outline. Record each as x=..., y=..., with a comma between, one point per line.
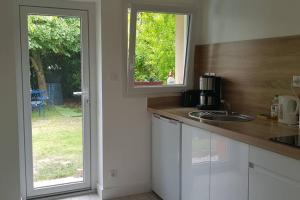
x=85, y=197
x=147, y=196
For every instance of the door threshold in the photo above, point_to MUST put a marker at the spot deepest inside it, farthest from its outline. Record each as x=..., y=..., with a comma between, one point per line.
x=63, y=195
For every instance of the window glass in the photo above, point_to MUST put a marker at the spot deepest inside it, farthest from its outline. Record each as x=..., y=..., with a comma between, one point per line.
x=160, y=49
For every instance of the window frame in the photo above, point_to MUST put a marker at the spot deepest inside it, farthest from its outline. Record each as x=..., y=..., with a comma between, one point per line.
x=131, y=89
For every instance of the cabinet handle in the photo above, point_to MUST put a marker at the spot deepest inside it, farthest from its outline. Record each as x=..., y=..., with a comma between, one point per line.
x=173, y=121
x=251, y=165
x=156, y=116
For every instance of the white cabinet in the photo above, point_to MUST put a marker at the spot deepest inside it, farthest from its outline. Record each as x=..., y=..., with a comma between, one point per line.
x=166, y=158
x=195, y=163
x=272, y=176
x=266, y=185
x=229, y=169
x=213, y=167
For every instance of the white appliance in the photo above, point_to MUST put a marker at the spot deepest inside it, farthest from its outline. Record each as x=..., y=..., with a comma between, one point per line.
x=166, y=134
x=288, y=112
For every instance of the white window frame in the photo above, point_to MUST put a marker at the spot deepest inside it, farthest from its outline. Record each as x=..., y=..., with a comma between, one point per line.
x=129, y=52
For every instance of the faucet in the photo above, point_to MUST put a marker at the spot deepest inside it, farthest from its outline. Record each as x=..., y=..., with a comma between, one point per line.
x=226, y=106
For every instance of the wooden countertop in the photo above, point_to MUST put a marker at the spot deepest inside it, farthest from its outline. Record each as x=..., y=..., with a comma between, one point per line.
x=256, y=133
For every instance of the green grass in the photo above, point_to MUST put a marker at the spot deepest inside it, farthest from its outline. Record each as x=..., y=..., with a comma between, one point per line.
x=57, y=143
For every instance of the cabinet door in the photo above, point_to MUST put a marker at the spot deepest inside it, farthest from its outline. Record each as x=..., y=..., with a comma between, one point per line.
x=166, y=158
x=229, y=169
x=195, y=163
x=266, y=185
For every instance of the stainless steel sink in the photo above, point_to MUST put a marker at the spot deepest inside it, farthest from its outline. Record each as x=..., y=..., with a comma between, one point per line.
x=220, y=116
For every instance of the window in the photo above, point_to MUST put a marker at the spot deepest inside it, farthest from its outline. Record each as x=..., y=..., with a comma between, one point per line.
x=158, y=47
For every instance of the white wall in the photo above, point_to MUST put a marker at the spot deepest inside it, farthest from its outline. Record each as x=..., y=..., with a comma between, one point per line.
x=126, y=123
x=234, y=20
x=9, y=151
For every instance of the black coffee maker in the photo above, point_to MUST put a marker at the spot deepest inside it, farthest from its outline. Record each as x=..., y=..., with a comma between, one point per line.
x=210, y=92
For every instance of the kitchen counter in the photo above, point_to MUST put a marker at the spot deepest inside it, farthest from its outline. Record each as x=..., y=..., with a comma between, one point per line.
x=256, y=133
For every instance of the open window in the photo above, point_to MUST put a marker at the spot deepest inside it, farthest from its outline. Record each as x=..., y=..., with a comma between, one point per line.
x=158, y=50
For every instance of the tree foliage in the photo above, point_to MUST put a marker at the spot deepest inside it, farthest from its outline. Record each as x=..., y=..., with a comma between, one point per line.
x=54, y=34
x=54, y=47
x=155, y=46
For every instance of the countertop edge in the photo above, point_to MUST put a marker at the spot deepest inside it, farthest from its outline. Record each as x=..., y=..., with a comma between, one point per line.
x=250, y=140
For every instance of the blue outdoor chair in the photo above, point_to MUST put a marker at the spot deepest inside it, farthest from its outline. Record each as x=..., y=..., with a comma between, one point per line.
x=39, y=100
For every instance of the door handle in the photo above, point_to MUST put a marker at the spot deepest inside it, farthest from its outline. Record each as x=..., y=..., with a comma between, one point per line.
x=87, y=100
x=77, y=93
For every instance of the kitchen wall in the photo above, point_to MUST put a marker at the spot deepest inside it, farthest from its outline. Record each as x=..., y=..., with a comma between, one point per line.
x=234, y=20
x=126, y=123
x=252, y=71
x=9, y=151
x=251, y=68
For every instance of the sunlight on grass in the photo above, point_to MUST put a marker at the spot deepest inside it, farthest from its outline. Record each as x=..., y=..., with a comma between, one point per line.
x=57, y=143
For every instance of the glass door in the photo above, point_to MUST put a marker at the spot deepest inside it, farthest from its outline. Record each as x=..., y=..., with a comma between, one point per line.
x=55, y=67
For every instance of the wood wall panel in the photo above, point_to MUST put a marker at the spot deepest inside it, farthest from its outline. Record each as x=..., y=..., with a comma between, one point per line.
x=253, y=71
x=167, y=101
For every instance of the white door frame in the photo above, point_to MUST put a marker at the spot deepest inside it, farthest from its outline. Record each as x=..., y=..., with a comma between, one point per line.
x=27, y=109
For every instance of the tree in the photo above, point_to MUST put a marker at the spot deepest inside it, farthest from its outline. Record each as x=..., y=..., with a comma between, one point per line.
x=50, y=35
x=155, y=46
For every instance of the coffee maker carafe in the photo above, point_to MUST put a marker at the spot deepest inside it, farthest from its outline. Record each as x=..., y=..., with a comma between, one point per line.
x=210, y=92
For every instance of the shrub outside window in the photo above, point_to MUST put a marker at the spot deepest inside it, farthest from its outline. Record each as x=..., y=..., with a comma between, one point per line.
x=158, y=47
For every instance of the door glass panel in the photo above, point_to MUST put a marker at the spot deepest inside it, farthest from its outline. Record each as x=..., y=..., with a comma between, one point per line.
x=57, y=115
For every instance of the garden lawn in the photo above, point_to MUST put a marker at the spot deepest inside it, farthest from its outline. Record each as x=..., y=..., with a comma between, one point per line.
x=57, y=143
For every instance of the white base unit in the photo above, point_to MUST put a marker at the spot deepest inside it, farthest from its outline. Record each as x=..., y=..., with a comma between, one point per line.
x=266, y=185
x=195, y=163
x=229, y=169
x=213, y=167
x=272, y=176
x=166, y=135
